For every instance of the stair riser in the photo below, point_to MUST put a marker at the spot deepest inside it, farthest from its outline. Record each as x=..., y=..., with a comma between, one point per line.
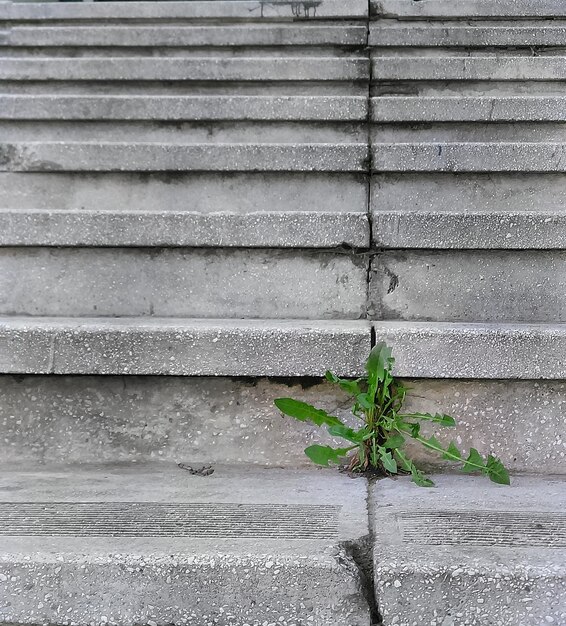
x=474, y=286
x=182, y=283
x=72, y=419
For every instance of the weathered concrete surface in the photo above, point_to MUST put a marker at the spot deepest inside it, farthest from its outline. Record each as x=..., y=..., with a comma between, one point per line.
x=484, y=193
x=453, y=350
x=468, y=8
x=199, y=9
x=469, y=157
x=94, y=38
x=520, y=108
x=84, y=227
x=469, y=286
x=182, y=192
x=182, y=283
x=158, y=157
x=83, y=419
x=470, y=553
x=490, y=68
x=253, y=554
x=183, y=108
x=186, y=69
x=469, y=34
x=522, y=422
x=535, y=230
x=185, y=347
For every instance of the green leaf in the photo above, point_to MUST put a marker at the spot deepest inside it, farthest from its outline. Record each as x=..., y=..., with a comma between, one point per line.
x=339, y=430
x=437, y=418
x=363, y=400
x=305, y=412
x=497, y=471
x=378, y=365
x=323, y=455
x=474, y=462
x=350, y=386
x=420, y=479
x=432, y=443
x=394, y=441
x=388, y=462
x=452, y=453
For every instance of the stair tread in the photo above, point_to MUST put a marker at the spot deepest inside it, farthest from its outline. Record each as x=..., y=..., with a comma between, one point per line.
x=469, y=546
x=190, y=544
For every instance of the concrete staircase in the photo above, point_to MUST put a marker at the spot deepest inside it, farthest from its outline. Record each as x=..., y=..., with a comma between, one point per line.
x=204, y=206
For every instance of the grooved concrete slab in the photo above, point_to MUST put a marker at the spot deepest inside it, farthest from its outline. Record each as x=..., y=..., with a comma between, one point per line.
x=470, y=553
x=183, y=347
x=468, y=8
x=186, y=69
x=167, y=35
x=469, y=157
x=299, y=229
x=450, y=350
x=132, y=544
x=153, y=157
x=471, y=34
x=468, y=109
x=183, y=108
x=199, y=9
x=469, y=68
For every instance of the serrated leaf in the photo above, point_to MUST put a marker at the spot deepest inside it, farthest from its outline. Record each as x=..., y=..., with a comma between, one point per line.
x=432, y=443
x=394, y=441
x=388, y=462
x=305, y=412
x=420, y=479
x=452, y=453
x=378, y=365
x=474, y=462
x=437, y=418
x=339, y=430
x=496, y=471
x=323, y=455
x=350, y=386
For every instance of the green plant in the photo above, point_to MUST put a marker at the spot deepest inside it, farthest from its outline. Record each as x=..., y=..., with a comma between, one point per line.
x=379, y=443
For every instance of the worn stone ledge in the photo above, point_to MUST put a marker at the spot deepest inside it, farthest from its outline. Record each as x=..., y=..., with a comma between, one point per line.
x=467, y=8
x=197, y=9
x=507, y=68
x=298, y=229
x=471, y=34
x=468, y=109
x=469, y=157
x=260, y=69
x=184, y=108
x=186, y=36
x=185, y=347
x=152, y=157
x=450, y=350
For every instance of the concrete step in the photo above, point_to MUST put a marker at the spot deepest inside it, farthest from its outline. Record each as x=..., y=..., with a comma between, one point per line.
x=95, y=39
x=260, y=68
x=151, y=157
x=512, y=109
x=469, y=35
x=104, y=419
x=472, y=9
x=467, y=286
x=470, y=553
x=185, y=347
x=320, y=108
x=299, y=229
x=135, y=544
x=475, y=351
x=183, y=283
x=197, y=9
